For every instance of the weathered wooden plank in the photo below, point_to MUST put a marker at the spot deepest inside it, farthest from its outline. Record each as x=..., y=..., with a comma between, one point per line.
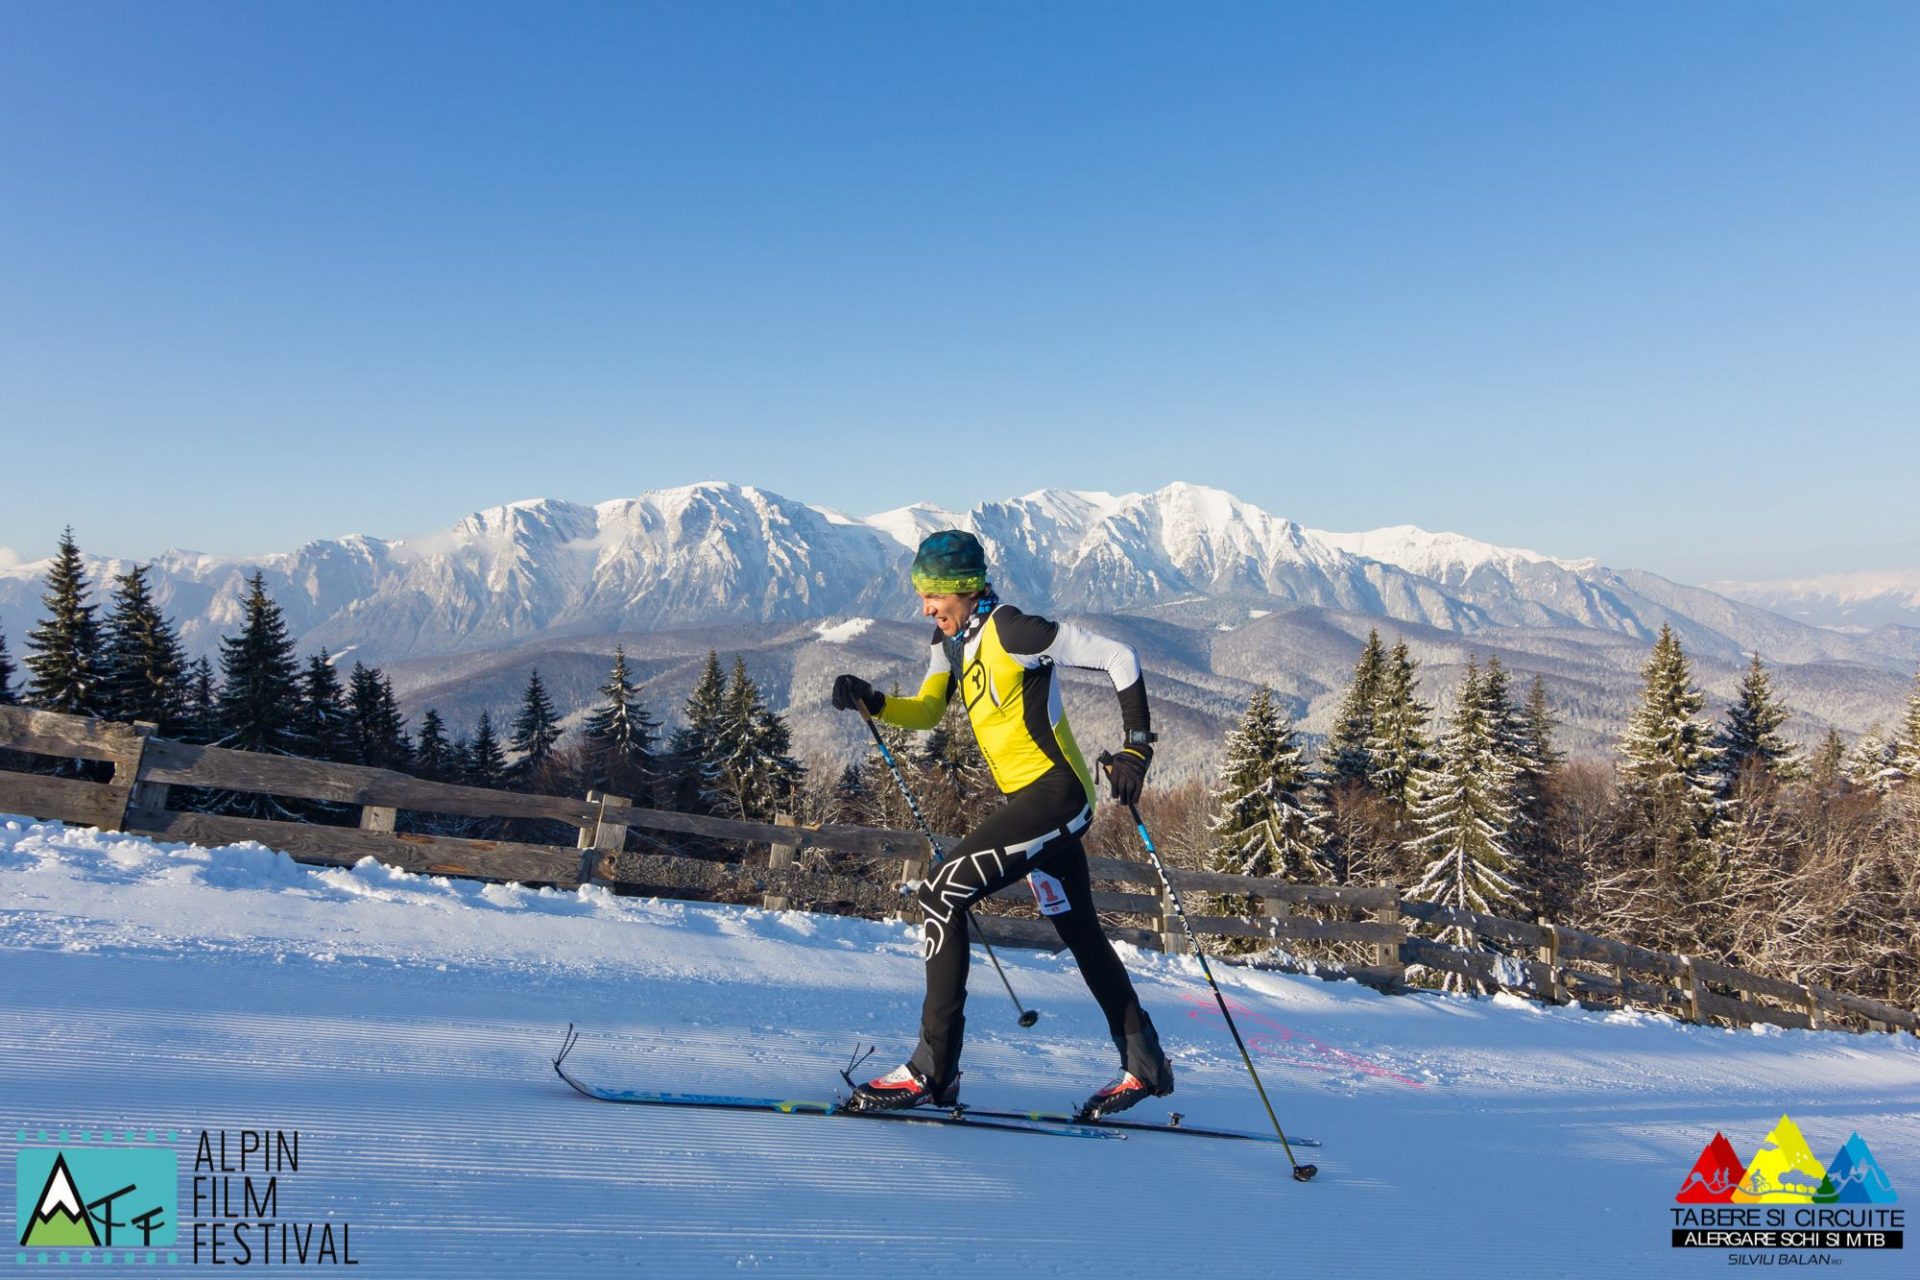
x=1483, y=966
x=869, y=841
x=1514, y=931
x=182, y=764
x=1652, y=995
x=1745, y=1011
x=344, y=846
x=83, y=804
x=1121, y=870
x=1007, y=931
x=1580, y=945
x=49, y=733
x=1871, y=1009
x=1361, y=897
x=1299, y=929
x=1728, y=976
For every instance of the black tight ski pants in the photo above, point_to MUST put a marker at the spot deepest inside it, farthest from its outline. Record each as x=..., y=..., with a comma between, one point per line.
x=1037, y=830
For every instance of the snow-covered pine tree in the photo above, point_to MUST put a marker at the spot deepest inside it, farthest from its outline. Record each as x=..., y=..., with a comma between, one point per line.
x=259, y=678
x=1464, y=812
x=1513, y=742
x=321, y=723
x=1668, y=768
x=63, y=652
x=1751, y=736
x=6, y=674
x=756, y=772
x=698, y=739
x=1347, y=754
x=620, y=735
x=433, y=754
x=1870, y=765
x=536, y=729
x=1906, y=743
x=1268, y=820
x=142, y=666
x=1400, y=747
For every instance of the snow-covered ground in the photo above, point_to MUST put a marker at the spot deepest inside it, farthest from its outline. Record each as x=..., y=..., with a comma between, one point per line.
x=403, y=1025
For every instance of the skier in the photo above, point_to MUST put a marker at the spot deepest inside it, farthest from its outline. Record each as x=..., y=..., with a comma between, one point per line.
x=1001, y=662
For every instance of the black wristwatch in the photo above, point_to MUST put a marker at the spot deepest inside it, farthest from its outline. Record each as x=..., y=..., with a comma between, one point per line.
x=1141, y=737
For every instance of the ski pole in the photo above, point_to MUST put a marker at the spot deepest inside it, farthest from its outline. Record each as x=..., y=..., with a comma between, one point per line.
x=1301, y=1172
x=1027, y=1016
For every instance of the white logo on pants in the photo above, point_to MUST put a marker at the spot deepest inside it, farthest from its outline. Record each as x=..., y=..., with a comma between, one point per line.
x=1048, y=893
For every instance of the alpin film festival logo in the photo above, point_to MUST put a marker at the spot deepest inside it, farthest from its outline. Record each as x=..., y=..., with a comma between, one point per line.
x=1783, y=1198
x=91, y=1197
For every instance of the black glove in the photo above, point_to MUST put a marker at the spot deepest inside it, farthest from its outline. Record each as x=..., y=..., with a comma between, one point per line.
x=851, y=691
x=1127, y=772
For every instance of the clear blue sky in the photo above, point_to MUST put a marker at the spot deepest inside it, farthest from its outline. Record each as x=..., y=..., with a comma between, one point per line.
x=1632, y=280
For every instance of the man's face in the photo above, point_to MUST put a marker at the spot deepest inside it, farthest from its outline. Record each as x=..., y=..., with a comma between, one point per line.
x=948, y=611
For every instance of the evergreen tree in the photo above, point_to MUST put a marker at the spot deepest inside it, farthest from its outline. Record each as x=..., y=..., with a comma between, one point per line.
x=1347, y=755
x=486, y=763
x=376, y=735
x=63, y=652
x=260, y=687
x=1465, y=811
x=1539, y=729
x=1873, y=764
x=201, y=723
x=1828, y=769
x=852, y=802
x=1906, y=744
x=1668, y=766
x=1751, y=736
x=143, y=668
x=1267, y=817
x=756, y=772
x=698, y=742
x=536, y=730
x=954, y=773
x=433, y=754
x=321, y=723
x=1399, y=747
x=620, y=735
x=7, y=697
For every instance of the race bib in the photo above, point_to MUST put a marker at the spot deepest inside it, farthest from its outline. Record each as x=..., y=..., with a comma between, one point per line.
x=1048, y=893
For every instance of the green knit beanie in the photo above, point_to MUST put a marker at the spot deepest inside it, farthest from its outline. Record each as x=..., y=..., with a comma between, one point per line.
x=950, y=562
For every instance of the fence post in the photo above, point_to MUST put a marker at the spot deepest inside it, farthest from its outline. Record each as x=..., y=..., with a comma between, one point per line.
x=1692, y=980
x=1169, y=928
x=135, y=794
x=780, y=858
x=603, y=838
x=1813, y=1008
x=1386, y=955
x=1550, y=957
x=378, y=817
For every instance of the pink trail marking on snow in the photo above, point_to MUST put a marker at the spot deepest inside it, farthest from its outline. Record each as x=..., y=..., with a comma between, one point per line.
x=1295, y=1048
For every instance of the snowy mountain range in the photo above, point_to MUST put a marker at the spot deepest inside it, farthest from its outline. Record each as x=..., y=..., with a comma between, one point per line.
x=1216, y=593
x=1848, y=601
x=717, y=553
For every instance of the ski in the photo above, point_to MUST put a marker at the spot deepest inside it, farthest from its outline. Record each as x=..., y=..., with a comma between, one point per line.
x=1176, y=1124
x=956, y=1117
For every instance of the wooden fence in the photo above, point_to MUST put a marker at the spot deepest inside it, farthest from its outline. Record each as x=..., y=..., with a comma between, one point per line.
x=1538, y=959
